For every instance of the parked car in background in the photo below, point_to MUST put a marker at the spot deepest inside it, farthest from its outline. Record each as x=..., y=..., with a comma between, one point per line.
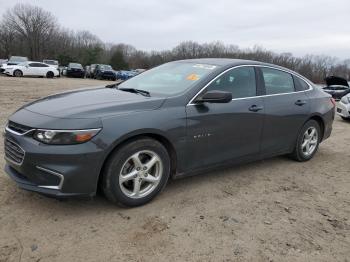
x=105, y=72
x=125, y=75
x=31, y=68
x=53, y=63
x=3, y=61
x=92, y=70
x=87, y=71
x=62, y=70
x=2, y=67
x=15, y=60
x=180, y=118
x=343, y=107
x=140, y=70
x=337, y=87
x=75, y=70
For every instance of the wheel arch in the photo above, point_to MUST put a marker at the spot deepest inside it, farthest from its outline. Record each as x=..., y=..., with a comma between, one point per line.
x=154, y=134
x=14, y=71
x=320, y=121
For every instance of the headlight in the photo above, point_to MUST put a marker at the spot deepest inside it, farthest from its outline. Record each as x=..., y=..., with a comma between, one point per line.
x=345, y=99
x=65, y=137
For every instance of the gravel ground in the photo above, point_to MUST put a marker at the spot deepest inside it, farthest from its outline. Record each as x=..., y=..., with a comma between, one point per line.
x=271, y=210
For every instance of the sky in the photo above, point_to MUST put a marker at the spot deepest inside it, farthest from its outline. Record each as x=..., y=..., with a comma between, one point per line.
x=300, y=27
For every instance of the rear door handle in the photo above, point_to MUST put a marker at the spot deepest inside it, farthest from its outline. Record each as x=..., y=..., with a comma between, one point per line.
x=300, y=102
x=255, y=108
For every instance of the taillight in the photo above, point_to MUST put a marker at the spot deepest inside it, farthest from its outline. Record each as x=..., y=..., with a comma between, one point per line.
x=333, y=101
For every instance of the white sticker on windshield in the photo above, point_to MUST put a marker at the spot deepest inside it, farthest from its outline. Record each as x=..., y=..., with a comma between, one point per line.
x=204, y=66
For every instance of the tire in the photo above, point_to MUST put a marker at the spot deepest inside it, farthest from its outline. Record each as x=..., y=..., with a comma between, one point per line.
x=18, y=73
x=50, y=74
x=124, y=162
x=301, y=152
x=345, y=118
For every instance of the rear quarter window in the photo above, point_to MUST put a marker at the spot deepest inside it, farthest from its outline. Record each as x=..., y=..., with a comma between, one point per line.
x=300, y=85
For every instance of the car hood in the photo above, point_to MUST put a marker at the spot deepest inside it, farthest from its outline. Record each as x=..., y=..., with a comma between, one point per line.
x=93, y=103
x=335, y=80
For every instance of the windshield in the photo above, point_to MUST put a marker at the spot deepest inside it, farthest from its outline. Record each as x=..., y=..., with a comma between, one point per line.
x=76, y=65
x=170, y=78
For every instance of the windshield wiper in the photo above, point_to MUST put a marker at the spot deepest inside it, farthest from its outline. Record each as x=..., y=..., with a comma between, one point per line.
x=137, y=91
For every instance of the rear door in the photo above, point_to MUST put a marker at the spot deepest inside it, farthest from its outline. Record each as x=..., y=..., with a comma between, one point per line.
x=222, y=132
x=286, y=110
x=42, y=69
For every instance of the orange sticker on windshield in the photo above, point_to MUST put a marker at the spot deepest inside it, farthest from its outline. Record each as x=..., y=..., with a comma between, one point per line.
x=193, y=77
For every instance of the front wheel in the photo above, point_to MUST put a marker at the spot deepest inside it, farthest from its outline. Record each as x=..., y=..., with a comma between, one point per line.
x=18, y=73
x=308, y=141
x=136, y=172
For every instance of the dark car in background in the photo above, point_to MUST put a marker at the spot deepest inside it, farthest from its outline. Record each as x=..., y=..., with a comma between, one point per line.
x=75, y=70
x=105, y=72
x=337, y=87
x=177, y=119
x=125, y=74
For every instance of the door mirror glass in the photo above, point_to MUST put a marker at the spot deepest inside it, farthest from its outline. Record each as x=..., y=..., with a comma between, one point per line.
x=215, y=96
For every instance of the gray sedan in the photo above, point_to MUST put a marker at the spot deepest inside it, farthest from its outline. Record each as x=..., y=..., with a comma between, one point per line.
x=178, y=119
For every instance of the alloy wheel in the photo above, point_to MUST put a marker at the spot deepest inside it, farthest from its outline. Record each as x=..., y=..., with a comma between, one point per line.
x=310, y=140
x=141, y=174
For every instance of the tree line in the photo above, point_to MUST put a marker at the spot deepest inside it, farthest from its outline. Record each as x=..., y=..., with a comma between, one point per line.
x=27, y=30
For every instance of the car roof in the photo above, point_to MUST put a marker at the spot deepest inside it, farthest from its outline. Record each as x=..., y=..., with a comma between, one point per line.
x=223, y=61
x=230, y=62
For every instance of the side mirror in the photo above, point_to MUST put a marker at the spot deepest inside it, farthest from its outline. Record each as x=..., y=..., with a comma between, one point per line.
x=215, y=96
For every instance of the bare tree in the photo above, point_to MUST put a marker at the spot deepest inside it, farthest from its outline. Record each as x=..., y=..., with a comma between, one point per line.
x=32, y=24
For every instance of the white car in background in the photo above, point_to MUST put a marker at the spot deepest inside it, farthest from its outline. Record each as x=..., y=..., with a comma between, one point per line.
x=343, y=107
x=31, y=68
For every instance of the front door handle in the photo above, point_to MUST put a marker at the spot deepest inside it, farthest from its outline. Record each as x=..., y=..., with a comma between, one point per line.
x=255, y=108
x=300, y=102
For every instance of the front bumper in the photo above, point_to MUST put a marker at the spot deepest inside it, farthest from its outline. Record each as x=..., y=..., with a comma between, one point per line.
x=343, y=109
x=59, y=171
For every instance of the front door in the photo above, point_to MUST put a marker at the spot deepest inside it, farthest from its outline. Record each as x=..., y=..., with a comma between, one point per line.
x=223, y=132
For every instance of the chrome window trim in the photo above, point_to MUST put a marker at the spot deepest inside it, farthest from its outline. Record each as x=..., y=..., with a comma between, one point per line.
x=10, y=160
x=190, y=103
x=59, y=186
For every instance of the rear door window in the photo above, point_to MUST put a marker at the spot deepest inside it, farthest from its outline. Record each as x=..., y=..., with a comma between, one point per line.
x=277, y=82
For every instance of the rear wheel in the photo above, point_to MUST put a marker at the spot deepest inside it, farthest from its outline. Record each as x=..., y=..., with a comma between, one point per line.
x=136, y=172
x=307, y=142
x=50, y=74
x=18, y=73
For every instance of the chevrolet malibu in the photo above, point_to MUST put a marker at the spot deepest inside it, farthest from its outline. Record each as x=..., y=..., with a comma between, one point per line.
x=180, y=118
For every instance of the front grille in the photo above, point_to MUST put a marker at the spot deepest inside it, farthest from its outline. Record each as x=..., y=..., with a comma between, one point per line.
x=13, y=152
x=18, y=128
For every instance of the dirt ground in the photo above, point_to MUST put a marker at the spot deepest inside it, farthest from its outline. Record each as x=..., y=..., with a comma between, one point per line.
x=271, y=210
